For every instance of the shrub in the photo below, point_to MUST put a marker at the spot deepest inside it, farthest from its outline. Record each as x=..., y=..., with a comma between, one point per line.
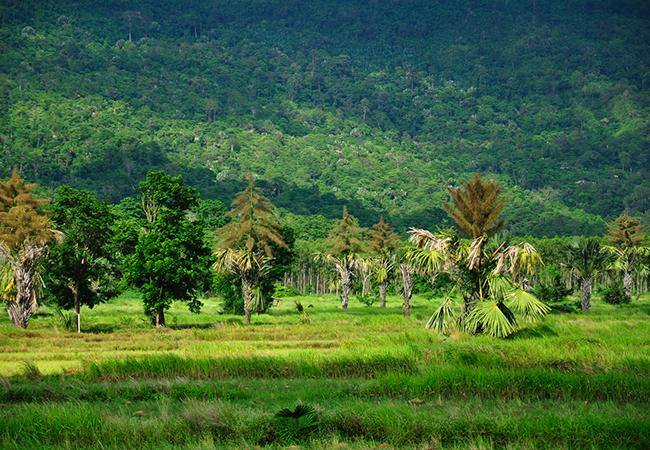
x=293, y=426
x=614, y=294
x=551, y=287
x=67, y=320
x=367, y=300
x=280, y=290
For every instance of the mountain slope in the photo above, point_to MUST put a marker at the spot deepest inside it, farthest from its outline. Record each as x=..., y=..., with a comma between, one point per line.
x=380, y=105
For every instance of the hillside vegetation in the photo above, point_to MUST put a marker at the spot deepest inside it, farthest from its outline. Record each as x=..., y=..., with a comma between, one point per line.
x=379, y=105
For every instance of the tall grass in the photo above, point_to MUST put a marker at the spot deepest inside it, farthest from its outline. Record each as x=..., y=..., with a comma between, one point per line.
x=577, y=380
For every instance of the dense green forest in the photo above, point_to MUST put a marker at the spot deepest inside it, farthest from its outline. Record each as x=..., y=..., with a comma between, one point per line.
x=378, y=105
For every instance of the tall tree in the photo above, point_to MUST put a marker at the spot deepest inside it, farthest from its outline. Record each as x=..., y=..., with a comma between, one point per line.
x=249, y=244
x=171, y=260
x=383, y=243
x=585, y=259
x=25, y=233
x=489, y=276
x=79, y=270
x=627, y=238
x=346, y=244
x=477, y=207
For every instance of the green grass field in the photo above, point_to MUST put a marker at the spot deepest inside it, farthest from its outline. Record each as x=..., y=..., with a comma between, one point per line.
x=574, y=380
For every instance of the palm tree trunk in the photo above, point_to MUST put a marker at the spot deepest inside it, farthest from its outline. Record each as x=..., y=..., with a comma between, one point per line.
x=382, y=294
x=366, y=285
x=407, y=285
x=248, y=301
x=585, y=292
x=346, y=287
x=23, y=306
x=18, y=316
x=627, y=283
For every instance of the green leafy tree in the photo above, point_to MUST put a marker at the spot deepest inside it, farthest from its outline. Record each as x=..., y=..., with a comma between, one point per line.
x=345, y=246
x=383, y=244
x=628, y=245
x=249, y=244
x=25, y=234
x=79, y=270
x=585, y=259
x=171, y=261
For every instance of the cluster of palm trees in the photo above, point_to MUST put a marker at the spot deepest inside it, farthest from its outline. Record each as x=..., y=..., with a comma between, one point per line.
x=588, y=258
x=491, y=279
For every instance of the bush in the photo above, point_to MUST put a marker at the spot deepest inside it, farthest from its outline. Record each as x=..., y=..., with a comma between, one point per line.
x=280, y=290
x=292, y=426
x=551, y=287
x=614, y=294
x=367, y=300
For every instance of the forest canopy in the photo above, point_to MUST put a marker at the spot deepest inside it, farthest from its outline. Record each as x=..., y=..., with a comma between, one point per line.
x=381, y=106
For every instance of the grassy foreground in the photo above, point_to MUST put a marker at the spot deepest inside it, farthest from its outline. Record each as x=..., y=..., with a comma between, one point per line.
x=575, y=380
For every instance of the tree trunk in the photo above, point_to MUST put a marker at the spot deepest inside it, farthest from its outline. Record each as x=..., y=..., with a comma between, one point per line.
x=382, y=294
x=19, y=316
x=407, y=287
x=627, y=283
x=366, y=285
x=248, y=301
x=346, y=287
x=585, y=292
x=160, y=316
x=23, y=306
x=77, y=309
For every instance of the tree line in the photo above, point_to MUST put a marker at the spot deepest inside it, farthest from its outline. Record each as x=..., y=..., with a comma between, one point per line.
x=75, y=250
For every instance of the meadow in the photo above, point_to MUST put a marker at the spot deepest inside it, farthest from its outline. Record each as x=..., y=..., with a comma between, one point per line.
x=376, y=378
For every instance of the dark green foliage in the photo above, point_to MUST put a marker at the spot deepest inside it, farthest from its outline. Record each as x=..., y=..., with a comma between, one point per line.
x=79, y=270
x=377, y=105
x=228, y=286
x=551, y=286
x=292, y=426
x=614, y=294
x=171, y=260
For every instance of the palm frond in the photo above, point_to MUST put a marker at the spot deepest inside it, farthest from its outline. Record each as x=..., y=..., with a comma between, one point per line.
x=444, y=318
x=491, y=317
x=291, y=426
x=526, y=304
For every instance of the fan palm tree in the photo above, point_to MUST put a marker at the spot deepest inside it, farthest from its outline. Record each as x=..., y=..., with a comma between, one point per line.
x=627, y=238
x=344, y=265
x=490, y=277
x=250, y=268
x=247, y=244
x=25, y=232
x=346, y=247
x=585, y=259
x=383, y=243
x=484, y=275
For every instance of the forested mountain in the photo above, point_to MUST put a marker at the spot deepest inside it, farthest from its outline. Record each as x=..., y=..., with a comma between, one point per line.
x=380, y=105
